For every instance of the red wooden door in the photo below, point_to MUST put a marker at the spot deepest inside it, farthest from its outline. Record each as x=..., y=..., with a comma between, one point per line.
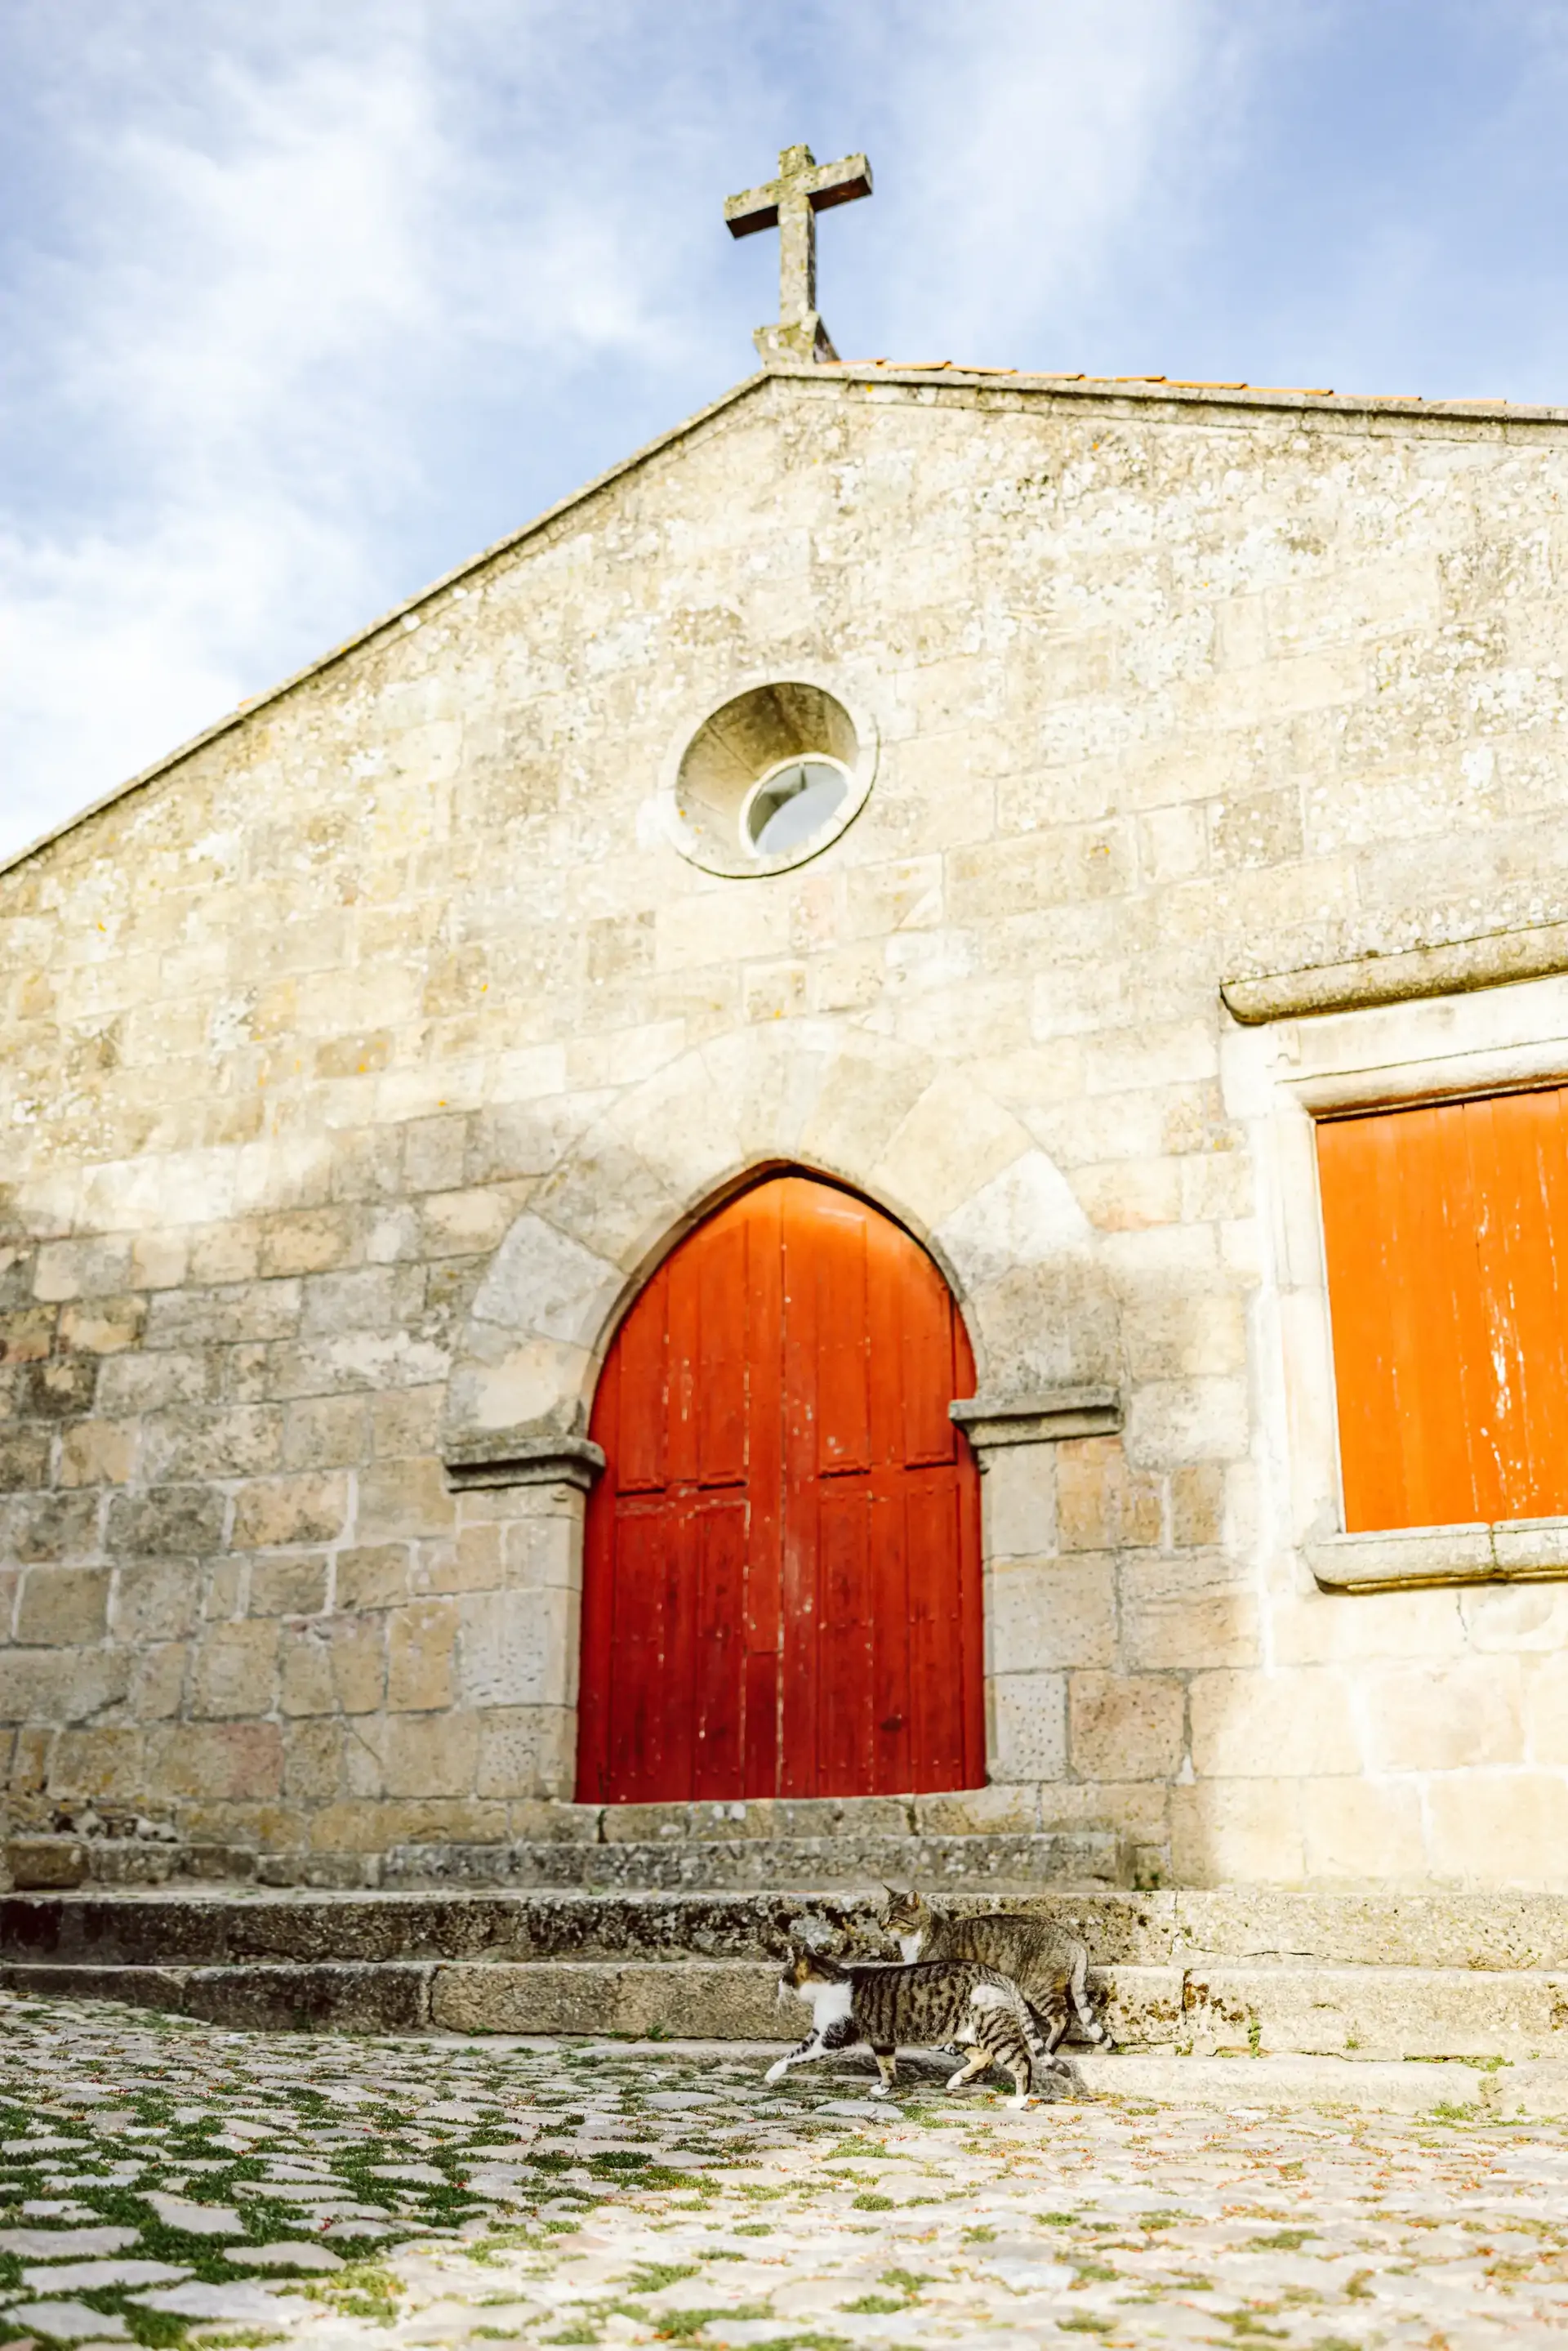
x=782, y=1567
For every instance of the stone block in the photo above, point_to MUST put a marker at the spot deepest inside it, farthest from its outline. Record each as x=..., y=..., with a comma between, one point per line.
x=1445, y=1717
x=405, y=1420
x=540, y=1552
x=82, y=1268
x=334, y=1665
x=1142, y=2006
x=1027, y=1727
x=102, y=1326
x=1019, y=1495
x=63, y=1605
x=1545, y=1683
x=1102, y=1505
x=1373, y=2012
x=103, y=1760
x=1237, y=1832
x=312, y=1771
x=289, y=1586
x=1125, y=1725
x=24, y=1459
x=224, y=1315
x=401, y=1499
x=306, y=1508
x=418, y=1755
x=1364, y=1832
x=517, y=1648
x=736, y=1999
x=1173, y=1422
x=1000, y=1809
x=182, y=1521
x=216, y=1760
x=223, y=1594
x=59, y=1389
x=46, y=1864
x=822, y=1816
x=1197, y=1506
x=1187, y=1612
x=53, y=1526
x=374, y=1577
x=421, y=1641
x=326, y=1432
x=1300, y=1722
x=192, y=1442
x=544, y=1822
x=388, y=1997
x=306, y=1240
x=97, y=1453
x=157, y=1681
x=229, y=1253
x=367, y=1298
x=1046, y=1614
x=1498, y=1828
x=234, y=1669
x=530, y=1752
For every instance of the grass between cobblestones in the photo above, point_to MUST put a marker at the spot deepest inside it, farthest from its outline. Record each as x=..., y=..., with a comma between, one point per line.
x=161, y=2181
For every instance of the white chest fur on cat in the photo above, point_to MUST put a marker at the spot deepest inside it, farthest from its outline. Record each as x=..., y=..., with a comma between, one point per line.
x=829, y=2003
x=910, y=1946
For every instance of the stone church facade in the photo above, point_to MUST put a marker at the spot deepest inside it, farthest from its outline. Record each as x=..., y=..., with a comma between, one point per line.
x=1202, y=761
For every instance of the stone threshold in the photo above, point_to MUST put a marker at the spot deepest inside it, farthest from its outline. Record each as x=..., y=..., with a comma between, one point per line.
x=1000, y=1830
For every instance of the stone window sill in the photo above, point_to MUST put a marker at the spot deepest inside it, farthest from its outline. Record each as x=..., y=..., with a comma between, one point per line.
x=1514, y=1551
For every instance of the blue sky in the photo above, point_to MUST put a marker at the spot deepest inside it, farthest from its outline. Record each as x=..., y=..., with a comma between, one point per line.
x=302, y=302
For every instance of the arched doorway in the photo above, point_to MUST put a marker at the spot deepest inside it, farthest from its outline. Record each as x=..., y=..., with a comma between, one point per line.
x=781, y=1565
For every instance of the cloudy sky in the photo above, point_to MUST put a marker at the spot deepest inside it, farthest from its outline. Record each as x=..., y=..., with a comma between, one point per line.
x=302, y=302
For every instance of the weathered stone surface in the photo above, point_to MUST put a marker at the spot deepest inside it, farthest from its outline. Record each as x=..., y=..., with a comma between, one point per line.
x=365, y=1189
x=736, y=2001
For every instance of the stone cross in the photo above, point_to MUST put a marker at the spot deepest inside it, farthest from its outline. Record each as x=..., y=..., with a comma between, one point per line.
x=790, y=203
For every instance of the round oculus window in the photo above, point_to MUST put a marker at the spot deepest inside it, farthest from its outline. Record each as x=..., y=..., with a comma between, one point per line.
x=788, y=808
x=771, y=778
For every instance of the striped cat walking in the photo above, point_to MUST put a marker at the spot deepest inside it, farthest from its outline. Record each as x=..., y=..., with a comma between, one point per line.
x=931, y=2005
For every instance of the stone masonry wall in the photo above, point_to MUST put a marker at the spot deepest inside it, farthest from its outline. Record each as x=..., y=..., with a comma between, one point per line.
x=296, y=1033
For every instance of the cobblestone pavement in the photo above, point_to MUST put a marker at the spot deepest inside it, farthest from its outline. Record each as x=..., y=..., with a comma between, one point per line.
x=159, y=2178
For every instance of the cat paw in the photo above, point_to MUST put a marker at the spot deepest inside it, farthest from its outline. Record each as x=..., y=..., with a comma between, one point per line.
x=1020, y=2102
x=881, y=2089
x=1094, y=2033
x=961, y=2075
x=776, y=2073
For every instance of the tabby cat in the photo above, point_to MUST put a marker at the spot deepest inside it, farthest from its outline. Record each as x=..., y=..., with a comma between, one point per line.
x=1048, y=1967
x=921, y=2007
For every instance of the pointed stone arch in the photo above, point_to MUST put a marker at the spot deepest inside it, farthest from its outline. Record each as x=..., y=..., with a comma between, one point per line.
x=918, y=1134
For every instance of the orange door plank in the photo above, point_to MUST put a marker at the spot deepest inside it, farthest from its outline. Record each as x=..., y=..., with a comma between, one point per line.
x=1442, y=1231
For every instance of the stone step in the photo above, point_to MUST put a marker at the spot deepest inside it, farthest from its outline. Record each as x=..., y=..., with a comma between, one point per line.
x=678, y=1857
x=1235, y=1928
x=1371, y=2013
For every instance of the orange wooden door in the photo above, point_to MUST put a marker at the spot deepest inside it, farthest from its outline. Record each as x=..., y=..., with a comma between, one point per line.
x=1446, y=1229
x=781, y=1566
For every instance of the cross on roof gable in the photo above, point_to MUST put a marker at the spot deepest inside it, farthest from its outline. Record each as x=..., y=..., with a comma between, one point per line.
x=790, y=203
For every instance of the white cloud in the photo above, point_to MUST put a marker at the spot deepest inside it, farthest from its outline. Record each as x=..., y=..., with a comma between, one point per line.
x=300, y=305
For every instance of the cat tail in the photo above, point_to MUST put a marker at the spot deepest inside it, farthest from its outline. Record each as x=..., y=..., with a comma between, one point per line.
x=1078, y=1992
x=1050, y=2074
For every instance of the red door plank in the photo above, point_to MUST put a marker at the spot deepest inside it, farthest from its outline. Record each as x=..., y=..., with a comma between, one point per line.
x=802, y=1237
x=762, y=1215
x=782, y=1563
